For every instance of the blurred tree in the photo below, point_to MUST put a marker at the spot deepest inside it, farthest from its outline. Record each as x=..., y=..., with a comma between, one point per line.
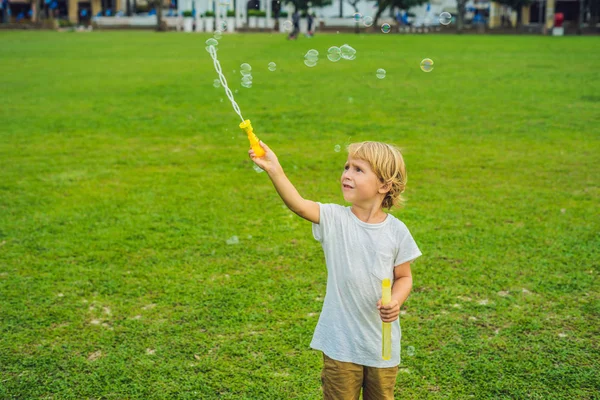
x=391, y=4
x=516, y=5
x=304, y=5
x=461, y=7
x=161, y=26
x=354, y=4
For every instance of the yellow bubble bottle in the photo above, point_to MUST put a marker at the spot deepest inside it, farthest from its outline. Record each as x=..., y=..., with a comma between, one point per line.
x=254, y=142
x=386, y=327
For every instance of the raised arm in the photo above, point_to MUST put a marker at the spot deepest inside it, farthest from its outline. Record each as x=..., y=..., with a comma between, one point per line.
x=306, y=209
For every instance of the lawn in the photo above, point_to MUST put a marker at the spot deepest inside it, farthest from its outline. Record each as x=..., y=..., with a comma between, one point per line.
x=124, y=179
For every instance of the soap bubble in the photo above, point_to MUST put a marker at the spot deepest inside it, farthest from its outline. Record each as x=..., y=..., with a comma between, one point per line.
x=427, y=65
x=410, y=351
x=337, y=148
x=211, y=42
x=380, y=73
x=368, y=21
x=216, y=83
x=223, y=26
x=272, y=66
x=348, y=53
x=386, y=28
x=258, y=171
x=233, y=240
x=224, y=2
x=334, y=54
x=245, y=69
x=218, y=35
x=247, y=82
x=288, y=26
x=445, y=18
x=311, y=58
x=357, y=17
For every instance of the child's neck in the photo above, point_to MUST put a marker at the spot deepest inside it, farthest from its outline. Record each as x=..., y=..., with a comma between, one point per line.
x=369, y=216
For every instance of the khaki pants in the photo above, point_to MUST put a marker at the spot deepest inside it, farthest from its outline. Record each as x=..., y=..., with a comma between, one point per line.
x=344, y=380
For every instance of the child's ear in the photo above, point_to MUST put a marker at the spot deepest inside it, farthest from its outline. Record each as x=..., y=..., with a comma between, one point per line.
x=385, y=187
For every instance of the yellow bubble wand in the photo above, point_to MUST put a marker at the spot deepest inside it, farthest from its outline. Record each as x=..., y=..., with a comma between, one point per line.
x=245, y=125
x=386, y=327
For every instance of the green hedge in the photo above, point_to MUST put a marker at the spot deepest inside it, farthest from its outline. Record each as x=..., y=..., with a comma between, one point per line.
x=257, y=13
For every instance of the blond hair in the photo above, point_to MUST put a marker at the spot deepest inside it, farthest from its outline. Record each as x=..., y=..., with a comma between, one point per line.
x=387, y=163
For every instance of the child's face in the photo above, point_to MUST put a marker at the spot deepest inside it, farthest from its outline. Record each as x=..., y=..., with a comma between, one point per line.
x=359, y=183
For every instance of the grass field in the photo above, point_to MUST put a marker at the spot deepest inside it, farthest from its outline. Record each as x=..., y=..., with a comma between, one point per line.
x=123, y=176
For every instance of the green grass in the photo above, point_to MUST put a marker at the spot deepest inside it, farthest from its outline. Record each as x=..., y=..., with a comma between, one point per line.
x=123, y=175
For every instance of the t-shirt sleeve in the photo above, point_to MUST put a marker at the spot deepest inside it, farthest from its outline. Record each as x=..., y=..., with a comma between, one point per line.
x=321, y=230
x=408, y=250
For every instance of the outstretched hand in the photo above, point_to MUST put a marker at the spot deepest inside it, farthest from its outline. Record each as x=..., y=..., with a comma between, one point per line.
x=267, y=162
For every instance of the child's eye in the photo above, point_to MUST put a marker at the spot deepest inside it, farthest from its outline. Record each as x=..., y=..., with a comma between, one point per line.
x=345, y=167
x=358, y=169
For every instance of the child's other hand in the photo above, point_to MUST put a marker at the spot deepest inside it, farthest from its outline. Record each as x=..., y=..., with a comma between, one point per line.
x=390, y=311
x=267, y=162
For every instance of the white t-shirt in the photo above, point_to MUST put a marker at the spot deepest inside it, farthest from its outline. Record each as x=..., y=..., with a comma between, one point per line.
x=358, y=257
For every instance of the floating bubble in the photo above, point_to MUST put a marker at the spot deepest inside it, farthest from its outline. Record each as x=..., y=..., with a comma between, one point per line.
x=247, y=81
x=272, y=66
x=380, y=73
x=445, y=18
x=233, y=240
x=386, y=28
x=258, y=171
x=311, y=58
x=223, y=25
x=410, y=351
x=348, y=53
x=427, y=65
x=224, y=2
x=211, y=43
x=335, y=57
x=368, y=21
x=312, y=52
x=245, y=69
x=350, y=100
x=288, y=26
x=357, y=17
x=337, y=148
x=334, y=53
x=216, y=83
x=218, y=35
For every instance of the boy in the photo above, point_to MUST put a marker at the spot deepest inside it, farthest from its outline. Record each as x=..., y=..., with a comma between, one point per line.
x=363, y=245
